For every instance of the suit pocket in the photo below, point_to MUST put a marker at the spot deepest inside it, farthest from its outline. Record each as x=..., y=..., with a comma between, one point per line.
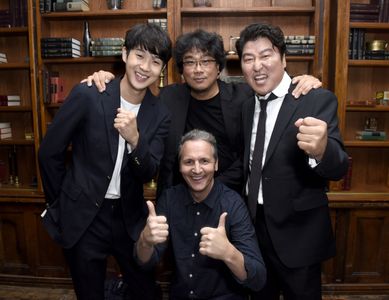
x=309, y=201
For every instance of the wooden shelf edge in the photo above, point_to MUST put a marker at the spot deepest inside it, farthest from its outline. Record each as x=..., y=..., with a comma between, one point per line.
x=286, y=10
x=369, y=25
x=7, y=66
x=377, y=108
x=368, y=63
x=105, y=14
x=19, y=108
x=369, y=144
x=347, y=196
x=16, y=142
x=22, y=194
x=13, y=30
x=84, y=60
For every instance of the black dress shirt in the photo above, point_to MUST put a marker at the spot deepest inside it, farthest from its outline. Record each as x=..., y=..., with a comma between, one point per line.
x=198, y=276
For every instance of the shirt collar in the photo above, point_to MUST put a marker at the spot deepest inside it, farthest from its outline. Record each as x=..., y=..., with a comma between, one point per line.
x=210, y=200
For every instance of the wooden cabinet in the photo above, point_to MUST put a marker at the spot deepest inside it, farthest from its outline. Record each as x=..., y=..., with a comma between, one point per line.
x=18, y=167
x=362, y=211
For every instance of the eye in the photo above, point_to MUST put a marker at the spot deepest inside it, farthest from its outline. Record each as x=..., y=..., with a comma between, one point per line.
x=188, y=162
x=204, y=161
x=248, y=60
x=157, y=62
x=189, y=63
x=139, y=55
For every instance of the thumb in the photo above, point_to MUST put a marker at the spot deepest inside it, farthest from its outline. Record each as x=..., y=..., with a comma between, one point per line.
x=222, y=220
x=152, y=212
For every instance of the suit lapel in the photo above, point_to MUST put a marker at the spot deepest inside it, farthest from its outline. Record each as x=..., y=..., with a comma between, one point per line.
x=287, y=110
x=248, y=116
x=146, y=113
x=110, y=100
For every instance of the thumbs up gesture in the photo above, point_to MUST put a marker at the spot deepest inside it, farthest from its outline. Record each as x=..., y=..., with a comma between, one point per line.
x=156, y=230
x=214, y=241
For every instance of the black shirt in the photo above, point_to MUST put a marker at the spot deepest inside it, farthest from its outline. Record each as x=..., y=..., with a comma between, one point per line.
x=198, y=276
x=207, y=115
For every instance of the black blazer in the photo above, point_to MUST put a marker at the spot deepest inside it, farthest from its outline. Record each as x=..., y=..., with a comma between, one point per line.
x=177, y=97
x=75, y=192
x=295, y=200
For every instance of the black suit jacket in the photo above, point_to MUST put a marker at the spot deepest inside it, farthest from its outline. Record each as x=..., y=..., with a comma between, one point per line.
x=177, y=97
x=75, y=191
x=295, y=200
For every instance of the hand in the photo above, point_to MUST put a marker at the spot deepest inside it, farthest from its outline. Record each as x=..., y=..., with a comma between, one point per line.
x=156, y=230
x=214, y=242
x=312, y=136
x=305, y=83
x=125, y=122
x=100, y=78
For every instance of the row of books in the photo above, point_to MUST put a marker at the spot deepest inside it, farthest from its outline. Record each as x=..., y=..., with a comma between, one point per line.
x=367, y=135
x=300, y=44
x=15, y=15
x=370, y=12
x=5, y=130
x=357, y=46
x=9, y=100
x=54, y=47
x=106, y=46
x=3, y=58
x=158, y=3
x=63, y=5
x=160, y=22
x=53, y=87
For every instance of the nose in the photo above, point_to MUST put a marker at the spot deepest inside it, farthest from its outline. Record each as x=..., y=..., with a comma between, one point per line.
x=196, y=168
x=145, y=64
x=257, y=65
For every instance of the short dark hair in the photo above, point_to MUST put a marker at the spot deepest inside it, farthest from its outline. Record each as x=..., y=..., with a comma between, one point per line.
x=198, y=135
x=210, y=43
x=259, y=30
x=150, y=37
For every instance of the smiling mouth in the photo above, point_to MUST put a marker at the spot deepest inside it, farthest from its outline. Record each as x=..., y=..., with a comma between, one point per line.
x=141, y=76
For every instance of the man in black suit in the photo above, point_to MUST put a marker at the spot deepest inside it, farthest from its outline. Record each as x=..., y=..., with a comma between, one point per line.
x=204, y=102
x=286, y=186
x=95, y=205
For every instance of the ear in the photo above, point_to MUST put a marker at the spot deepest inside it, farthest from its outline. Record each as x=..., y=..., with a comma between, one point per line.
x=216, y=165
x=284, y=61
x=124, y=54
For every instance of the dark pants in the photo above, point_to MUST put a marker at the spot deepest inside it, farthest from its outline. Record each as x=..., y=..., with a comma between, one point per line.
x=295, y=283
x=88, y=258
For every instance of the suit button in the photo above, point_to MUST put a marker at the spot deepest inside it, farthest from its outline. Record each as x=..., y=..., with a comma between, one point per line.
x=108, y=177
x=97, y=204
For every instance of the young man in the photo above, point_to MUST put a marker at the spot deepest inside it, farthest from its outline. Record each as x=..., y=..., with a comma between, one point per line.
x=208, y=226
x=95, y=205
x=205, y=102
x=287, y=167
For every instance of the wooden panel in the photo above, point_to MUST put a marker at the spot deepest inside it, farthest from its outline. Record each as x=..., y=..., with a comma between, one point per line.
x=368, y=247
x=13, y=247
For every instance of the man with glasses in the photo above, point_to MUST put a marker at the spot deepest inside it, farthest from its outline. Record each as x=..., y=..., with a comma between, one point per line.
x=206, y=103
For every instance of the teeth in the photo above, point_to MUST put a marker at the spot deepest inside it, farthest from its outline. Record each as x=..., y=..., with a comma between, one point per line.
x=140, y=75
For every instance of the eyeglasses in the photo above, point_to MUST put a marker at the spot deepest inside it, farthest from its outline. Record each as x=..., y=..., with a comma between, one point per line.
x=201, y=63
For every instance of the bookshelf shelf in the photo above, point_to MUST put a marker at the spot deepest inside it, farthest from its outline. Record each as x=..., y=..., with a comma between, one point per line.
x=362, y=197
x=21, y=108
x=377, y=108
x=370, y=25
x=368, y=63
x=227, y=11
x=13, y=31
x=366, y=144
x=106, y=14
x=19, y=142
x=6, y=66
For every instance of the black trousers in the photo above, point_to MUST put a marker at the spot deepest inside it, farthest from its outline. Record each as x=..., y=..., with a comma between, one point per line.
x=87, y=260
x=295, y=283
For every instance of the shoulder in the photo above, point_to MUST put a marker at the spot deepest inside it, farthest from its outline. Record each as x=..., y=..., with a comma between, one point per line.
x=238, y=92
x=175, y=89
x=230, y=200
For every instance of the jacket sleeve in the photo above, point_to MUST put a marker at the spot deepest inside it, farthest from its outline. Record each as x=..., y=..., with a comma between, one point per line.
x=146, y=157
x=52, y=151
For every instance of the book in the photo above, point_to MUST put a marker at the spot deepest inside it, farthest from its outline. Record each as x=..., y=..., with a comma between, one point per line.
x=77, y=6
x=106, y=47
x=56, y=45
x=5, y=130
x=347, y=178
x=4, y=136
x=370, y=138
x=107, y=42
x=61, y=40
x=5, y=125
x=371, y=133
x=106, y=52
x=61, y=51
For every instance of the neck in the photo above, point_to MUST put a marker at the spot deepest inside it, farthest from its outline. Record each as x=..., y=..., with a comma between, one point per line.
x=205, y=94
x=130, y=94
